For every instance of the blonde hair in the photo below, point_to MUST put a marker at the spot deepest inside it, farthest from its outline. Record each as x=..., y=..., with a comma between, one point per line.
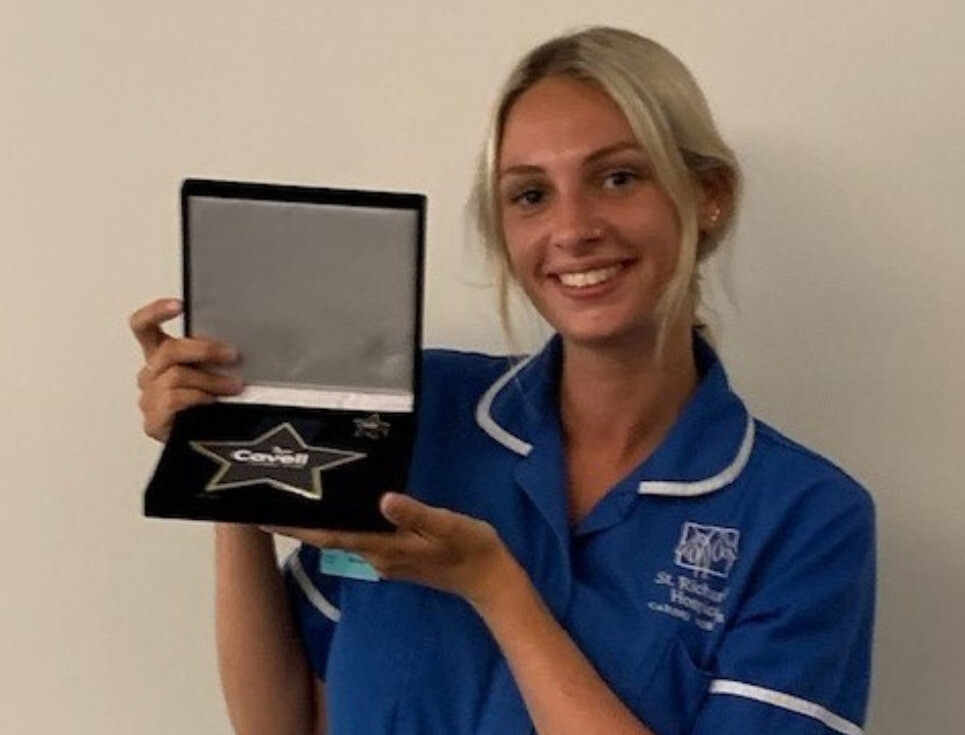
x=669, y=117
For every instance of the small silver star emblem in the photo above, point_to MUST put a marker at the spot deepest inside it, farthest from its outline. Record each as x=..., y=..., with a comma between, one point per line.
x=372, y=427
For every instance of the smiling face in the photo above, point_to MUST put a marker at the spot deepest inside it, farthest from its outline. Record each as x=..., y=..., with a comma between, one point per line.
x=590, y=235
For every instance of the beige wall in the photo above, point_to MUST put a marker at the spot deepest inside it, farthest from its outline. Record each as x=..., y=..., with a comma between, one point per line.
x=847, y=267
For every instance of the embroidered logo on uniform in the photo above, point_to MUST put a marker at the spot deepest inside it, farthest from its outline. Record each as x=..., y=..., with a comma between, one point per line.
x=707, y=550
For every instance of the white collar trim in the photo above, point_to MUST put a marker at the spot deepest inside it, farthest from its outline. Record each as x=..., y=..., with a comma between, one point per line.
x=659, y=487
x=703, y=487
x=484, y=412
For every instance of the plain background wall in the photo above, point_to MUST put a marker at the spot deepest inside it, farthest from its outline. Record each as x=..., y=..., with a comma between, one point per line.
x=847, y=266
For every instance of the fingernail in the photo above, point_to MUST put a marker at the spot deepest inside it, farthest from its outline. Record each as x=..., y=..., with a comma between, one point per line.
x=229, y=352
x=386, y=505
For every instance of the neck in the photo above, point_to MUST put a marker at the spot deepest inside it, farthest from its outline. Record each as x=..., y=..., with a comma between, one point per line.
x=623, y=399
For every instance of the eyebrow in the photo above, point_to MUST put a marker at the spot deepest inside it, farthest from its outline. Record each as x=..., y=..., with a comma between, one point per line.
x=526, y=168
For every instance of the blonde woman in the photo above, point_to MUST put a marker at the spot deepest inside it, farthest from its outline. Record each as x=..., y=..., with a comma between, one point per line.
x=599, y=538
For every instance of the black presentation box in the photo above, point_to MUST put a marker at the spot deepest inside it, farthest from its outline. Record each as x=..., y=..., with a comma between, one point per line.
x=321, y=291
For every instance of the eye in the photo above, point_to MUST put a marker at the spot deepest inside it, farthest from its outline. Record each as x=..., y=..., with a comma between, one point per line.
x=620, y=179
x=528, y=197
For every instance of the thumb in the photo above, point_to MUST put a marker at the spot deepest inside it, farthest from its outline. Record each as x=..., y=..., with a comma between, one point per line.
x=408, y=513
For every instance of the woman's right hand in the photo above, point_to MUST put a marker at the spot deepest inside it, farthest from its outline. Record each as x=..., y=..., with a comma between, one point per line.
x=178, y=372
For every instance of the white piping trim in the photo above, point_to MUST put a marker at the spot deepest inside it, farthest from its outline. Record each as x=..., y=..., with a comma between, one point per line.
x=703, y=487
x=488, y=424
x=786, y=701
x=315, y=597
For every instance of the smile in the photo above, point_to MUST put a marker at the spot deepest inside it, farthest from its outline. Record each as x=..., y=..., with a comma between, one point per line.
x=585, y=279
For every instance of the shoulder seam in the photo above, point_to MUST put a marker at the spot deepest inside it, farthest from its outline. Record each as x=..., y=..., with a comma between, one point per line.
x=768, y=433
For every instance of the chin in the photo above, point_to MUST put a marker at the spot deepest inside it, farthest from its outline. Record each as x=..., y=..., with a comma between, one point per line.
x=613, y=337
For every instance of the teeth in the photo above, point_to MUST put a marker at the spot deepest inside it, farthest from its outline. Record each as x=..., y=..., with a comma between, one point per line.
x=588, y=278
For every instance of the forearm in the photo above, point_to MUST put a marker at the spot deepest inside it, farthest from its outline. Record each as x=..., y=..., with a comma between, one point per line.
x=267, y=683
x=563, y=693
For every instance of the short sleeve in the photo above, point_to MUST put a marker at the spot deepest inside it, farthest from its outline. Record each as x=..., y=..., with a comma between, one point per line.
x=314, y=599
x=796, y=657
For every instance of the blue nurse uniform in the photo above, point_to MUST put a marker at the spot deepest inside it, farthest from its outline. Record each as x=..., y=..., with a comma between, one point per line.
x=724, y=587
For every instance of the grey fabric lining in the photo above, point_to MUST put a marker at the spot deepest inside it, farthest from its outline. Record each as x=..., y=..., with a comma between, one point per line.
x=314, y=296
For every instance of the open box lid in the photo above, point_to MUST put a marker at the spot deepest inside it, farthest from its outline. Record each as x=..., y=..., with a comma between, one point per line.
x=320, y=290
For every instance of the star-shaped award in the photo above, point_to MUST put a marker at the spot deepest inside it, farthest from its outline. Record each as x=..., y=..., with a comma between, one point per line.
x=279, y=457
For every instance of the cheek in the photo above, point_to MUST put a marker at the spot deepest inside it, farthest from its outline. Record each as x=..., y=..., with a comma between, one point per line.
x=658, y=234
x=523, y=266
x=519, y=250
x=517, y=268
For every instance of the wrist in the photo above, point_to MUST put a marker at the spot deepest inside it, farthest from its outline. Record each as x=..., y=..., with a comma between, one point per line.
x=504, y=584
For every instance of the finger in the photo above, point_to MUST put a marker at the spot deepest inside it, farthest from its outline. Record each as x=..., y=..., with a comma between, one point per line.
x=411, y=515
x=159, y=413
x=183, y=376
x=146, y=322
x=360, y=542
x=190, y=351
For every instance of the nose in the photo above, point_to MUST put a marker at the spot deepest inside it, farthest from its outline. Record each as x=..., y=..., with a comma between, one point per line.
x=575, y=227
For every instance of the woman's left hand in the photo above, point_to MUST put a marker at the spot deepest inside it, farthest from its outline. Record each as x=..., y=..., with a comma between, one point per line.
x=431, y=546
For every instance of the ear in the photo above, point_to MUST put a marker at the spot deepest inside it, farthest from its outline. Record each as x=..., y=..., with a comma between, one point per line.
x=716, y=200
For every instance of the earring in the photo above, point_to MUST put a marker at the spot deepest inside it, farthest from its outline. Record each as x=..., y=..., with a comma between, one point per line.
x=714, y=216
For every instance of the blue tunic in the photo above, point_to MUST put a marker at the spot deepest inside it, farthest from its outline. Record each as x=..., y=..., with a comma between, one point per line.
x=724, y=587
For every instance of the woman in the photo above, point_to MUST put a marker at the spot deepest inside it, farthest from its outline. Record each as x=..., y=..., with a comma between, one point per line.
x=599, y=538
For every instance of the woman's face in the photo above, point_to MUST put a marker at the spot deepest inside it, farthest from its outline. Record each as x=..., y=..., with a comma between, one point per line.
x=591, y=237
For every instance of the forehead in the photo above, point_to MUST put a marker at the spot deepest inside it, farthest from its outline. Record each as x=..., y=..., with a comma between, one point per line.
x=559, y=115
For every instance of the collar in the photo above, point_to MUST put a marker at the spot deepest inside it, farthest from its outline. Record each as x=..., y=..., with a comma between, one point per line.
x=705, y=450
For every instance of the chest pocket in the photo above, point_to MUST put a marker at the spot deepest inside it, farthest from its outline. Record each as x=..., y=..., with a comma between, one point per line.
x=642, y=656
x=670, y=700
